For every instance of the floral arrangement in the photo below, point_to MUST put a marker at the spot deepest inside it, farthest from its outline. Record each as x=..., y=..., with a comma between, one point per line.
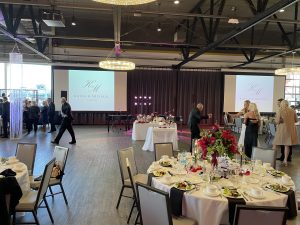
x=216, y=142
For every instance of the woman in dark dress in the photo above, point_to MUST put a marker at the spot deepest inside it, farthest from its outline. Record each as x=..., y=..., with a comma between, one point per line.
x=34, y=114
x=252, y=122
x=44, y=114
x=26, y=115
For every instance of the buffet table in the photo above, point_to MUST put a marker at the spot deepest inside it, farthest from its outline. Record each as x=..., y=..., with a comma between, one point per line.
x=160, y=135
x=139, y=130
x=209, y=209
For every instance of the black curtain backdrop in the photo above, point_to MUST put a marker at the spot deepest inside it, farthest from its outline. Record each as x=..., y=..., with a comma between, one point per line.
x=176, y=92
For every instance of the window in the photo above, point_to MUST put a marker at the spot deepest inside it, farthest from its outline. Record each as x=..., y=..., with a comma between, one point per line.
x=292, y=89
x=2, y=76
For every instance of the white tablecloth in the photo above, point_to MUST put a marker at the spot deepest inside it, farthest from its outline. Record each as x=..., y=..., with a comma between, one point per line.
x=160, y=135
x=214, y=210
x=139, y=130
x=22, y=174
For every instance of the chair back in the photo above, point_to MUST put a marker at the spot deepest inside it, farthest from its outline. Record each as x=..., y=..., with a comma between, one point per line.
x=272, y=129
x=61, y=156
x=238, y=122
x=265, y=155
x=244, y=215
x=225, y=119
x=44, y=183
x=161, y=149
x=26, y=152
x=154, y=205
x=122, y=155
x=131, y=179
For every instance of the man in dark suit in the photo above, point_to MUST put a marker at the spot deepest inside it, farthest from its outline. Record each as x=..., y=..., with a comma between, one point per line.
x=66, y=122
x=51, y=115
x=5, y=116
x=195, y=118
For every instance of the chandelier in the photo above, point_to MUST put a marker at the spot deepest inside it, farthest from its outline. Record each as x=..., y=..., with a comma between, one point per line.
x=116, y=64
x=288, y=70
x=124, y=2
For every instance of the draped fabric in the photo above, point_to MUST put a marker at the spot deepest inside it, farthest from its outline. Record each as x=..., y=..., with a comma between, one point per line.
x=205, y=87
x=176, y=92
x=159, y=84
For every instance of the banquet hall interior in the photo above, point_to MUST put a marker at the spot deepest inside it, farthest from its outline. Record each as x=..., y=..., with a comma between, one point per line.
x=158, y=112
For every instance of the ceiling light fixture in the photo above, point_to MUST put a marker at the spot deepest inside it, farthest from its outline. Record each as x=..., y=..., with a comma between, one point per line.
x=281, y=10
x=159, y=29
x=116, y=64
x=233, y=21
x=73, y=23
x=124, y=2
x=176, y=2
x=288, y=70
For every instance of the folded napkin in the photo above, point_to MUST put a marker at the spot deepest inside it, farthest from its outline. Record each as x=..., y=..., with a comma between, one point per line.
x=232, y=202
x=8, y=173
x=176, y=196
x=150, y=176
x=291, y=204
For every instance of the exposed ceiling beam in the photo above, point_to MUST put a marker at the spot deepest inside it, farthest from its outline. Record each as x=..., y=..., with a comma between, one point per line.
x=8, y=34
x=266, y=57
x=90, y=7
x=171, y=44
x=240, y=29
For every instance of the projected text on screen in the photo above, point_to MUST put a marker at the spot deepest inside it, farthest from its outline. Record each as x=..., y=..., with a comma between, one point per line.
x=92, y=90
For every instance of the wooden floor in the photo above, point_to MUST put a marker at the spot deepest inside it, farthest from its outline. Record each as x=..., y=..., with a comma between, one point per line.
x=92, y=178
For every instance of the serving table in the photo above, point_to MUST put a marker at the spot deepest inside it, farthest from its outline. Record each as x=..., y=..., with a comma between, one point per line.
x=213, y=210
x=160, y=135
x=139, y=129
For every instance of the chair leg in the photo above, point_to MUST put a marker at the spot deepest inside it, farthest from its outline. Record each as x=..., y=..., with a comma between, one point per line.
x=35, y=218
x=136, y=219
x=120, y=196
x=63, y=192
x=49, y=212
x=14, y=218
x=128, y=220
x=50, y=189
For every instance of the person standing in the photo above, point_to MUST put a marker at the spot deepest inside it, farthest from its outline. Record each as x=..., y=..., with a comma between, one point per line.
x=281, y=158
x=5, y=116
x=34, y=116
x=26, y=119
x=44, y=115
x=286, y=133
x=252, y=122
x=195, y=118
x=51, y=115
x=66, y=122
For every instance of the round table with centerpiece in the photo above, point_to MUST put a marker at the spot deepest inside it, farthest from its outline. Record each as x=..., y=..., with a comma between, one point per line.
x=207, y=194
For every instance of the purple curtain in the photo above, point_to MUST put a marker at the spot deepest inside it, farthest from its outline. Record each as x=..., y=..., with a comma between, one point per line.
x=200, y=86
x=160, y=85
x=175, y=92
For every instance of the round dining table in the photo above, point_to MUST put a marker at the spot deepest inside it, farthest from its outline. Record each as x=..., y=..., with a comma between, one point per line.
x=22, y=174
x=213, y=210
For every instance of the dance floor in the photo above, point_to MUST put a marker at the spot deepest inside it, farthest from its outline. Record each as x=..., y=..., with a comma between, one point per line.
x=92, y=177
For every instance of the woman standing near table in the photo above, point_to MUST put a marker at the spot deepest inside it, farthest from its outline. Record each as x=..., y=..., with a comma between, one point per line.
x=286, y=133
x=252, y=122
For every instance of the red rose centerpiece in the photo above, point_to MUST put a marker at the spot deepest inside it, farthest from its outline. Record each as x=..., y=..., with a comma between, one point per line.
x=216, y=142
